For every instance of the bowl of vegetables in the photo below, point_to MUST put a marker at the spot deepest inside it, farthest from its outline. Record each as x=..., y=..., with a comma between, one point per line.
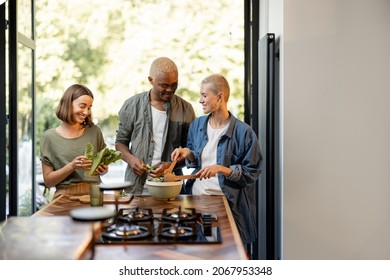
x=161, y=190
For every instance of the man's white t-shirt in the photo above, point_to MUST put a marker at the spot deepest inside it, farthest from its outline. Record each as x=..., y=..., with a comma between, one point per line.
x=158, y=118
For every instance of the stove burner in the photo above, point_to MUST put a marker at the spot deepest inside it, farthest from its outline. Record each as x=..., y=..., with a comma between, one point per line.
x=135, y=215
x=177, y=231
x=171, y=225
x=127, y=232
x=180, y=215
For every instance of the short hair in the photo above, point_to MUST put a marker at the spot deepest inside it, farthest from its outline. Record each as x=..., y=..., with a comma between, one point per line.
x=218, y=83
x=64, y=109
x=162, y=64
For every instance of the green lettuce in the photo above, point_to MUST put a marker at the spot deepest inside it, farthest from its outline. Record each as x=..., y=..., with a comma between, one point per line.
x=89, y=151
x=105, y=156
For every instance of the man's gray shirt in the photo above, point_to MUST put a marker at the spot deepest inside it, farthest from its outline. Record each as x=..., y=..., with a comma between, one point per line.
x=136, y=131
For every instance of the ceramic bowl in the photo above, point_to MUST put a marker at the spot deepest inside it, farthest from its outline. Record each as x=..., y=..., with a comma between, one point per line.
x=164, y=190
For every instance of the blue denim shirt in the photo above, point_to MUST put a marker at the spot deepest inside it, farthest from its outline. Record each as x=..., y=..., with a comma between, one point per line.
x=238, y=149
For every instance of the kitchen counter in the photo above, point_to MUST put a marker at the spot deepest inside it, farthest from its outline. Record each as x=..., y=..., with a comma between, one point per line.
x=45, y=238
x=230, y=248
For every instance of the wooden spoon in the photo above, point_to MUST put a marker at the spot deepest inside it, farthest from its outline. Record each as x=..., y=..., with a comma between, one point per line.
x=170, y=168
x=171, y=177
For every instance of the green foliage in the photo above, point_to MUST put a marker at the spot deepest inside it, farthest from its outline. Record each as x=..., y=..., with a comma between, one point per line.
x=45, y=117
x=109, y=45
x=25, y=204
x=88, y=61
x=89, y=151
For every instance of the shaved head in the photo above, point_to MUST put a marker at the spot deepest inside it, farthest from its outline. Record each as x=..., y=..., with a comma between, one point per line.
x=217, y=83
x=162, y=64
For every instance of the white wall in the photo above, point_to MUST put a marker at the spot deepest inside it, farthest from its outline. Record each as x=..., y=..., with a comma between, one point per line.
x=335, y=61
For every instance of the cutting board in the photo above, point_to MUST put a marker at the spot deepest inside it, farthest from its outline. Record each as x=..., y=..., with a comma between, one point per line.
x=107, y=198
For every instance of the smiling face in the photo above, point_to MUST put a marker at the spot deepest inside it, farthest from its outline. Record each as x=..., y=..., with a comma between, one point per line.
x=164, y=77
x=75, y=105
x=82, y=108
x=209, y=100
x=164, y=85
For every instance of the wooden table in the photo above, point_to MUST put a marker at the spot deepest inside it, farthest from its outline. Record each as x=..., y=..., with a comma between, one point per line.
x=230, y=248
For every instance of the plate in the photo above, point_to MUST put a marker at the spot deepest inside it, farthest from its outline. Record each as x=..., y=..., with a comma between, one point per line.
x=115, y=186
x=92, y=213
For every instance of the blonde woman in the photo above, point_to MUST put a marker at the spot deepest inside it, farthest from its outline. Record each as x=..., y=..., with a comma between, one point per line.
x=225, y=154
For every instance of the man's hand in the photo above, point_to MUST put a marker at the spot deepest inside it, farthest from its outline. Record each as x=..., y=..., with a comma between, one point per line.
x=159, y=171
x=137, y=166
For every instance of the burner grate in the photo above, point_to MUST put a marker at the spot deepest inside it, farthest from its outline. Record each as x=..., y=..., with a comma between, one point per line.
x=135, y=226
x=135, y=215
x=173, y=215
x=125, y=232
x=177, y=231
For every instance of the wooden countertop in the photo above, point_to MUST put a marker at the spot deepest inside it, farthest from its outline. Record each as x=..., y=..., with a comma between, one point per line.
x=231, y=247
x=45, y=238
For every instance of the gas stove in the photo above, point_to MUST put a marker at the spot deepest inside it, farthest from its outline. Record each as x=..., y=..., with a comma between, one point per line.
x=172, y=225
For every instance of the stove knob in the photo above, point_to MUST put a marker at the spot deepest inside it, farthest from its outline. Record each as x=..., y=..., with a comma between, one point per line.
x=207, y=224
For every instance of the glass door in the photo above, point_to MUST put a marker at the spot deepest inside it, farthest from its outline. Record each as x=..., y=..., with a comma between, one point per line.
x=21, y=107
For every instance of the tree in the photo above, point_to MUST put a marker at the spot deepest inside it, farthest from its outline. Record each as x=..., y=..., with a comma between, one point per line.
x=109, y=45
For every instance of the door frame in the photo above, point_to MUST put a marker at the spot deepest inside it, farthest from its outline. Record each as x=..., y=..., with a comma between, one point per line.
x=3, y=114
x=15, y=39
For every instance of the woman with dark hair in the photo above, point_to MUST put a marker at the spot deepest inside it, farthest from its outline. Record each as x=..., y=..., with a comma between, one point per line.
x=63, y=148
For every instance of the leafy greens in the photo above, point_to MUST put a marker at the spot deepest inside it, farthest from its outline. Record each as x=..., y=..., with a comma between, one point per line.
x=105, y=156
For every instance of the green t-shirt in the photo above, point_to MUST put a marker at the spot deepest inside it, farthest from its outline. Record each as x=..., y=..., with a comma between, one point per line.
x=58, y=151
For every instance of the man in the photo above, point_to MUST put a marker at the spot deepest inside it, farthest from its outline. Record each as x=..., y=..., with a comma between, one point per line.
x=152, y=124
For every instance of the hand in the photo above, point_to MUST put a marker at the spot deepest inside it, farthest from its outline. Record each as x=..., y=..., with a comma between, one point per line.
x=159, y=171
x=102, y=169
x=138, y=166
x=209, y=171
x=180, y=154
x=81, y=162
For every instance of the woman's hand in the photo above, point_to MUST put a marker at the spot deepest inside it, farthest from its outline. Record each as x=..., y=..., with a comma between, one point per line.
x=212, y=170
x=180, y=154
x=82, y=162
x=102, y=169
